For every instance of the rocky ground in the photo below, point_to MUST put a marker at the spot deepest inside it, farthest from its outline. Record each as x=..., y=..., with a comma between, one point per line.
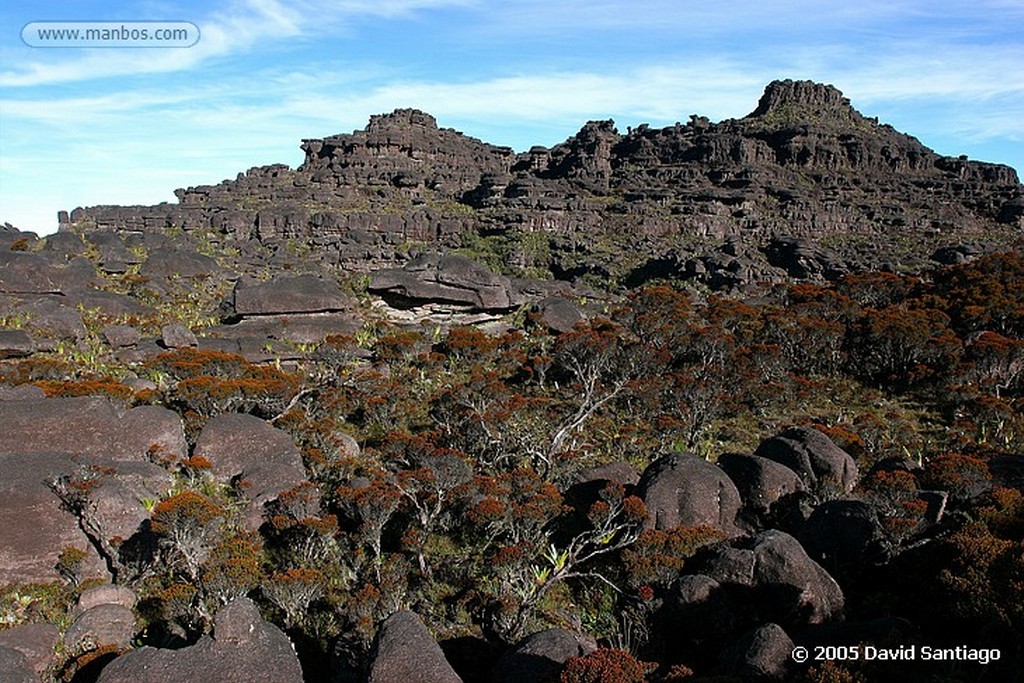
x=661, y=405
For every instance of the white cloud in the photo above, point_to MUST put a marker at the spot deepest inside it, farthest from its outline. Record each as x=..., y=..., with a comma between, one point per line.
x=243, y=25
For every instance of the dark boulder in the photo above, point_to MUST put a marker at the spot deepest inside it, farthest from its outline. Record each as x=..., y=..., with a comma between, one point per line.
x=824, y=467
x=701, y=608
x=760, y=481
x=169, y=261
x=177, y=336
x=16, y=344
x=404, y=650
x=801, y=258
x=539, y=658
x=121, y=336
x=683, y=489
x=764, y=654
x=26, y=273
x=844, y=533
x=774, y=578
x=243, y=647
x=53, y=317
x=558, y=314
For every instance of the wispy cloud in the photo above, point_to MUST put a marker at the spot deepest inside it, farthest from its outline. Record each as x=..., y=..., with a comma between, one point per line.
x=243, y=25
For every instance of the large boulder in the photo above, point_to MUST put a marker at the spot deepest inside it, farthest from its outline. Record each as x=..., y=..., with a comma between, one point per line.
x=779, y=581
x=539, y=658
x=683, y=489
x=263, y=459
x=288, y=294
x=84, y=437
x=36, y=528
x=760, y=481
x=447, y=279
x=243, y=647
x=100, y=626
x=404, y=650
x=823, y=466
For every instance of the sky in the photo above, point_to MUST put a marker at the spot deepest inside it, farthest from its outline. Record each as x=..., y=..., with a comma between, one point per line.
x=114, y=125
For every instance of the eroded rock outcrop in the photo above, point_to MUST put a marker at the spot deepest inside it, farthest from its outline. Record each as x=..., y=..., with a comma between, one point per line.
x=802, y=166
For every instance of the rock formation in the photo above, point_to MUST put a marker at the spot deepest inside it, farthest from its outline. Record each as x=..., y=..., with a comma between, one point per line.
x=803, y=167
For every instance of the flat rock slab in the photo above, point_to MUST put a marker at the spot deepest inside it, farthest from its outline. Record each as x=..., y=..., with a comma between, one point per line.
x=448, y=279
x=36, y=529
x=35, y=641
x=16, y=344
x=288, y=294
x=89, y=425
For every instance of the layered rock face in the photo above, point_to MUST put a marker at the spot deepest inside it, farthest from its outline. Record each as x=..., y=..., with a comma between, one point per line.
x=804, y=164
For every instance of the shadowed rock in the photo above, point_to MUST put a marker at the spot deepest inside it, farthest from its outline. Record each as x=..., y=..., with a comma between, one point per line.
x=764, y=654
x=844, y=533
x=760, y=481
x=823, y=466
x=243, y=647
x=777, y=580
x=539, y=658
x=404, y=650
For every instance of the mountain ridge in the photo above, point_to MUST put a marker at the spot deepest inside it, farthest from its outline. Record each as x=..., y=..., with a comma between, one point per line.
x=803, y=164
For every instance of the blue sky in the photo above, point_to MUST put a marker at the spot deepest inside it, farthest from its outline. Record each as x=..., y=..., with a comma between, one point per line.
x=81, y=127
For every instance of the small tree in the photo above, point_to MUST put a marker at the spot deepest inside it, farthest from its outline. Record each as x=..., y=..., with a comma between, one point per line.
x=189, y=524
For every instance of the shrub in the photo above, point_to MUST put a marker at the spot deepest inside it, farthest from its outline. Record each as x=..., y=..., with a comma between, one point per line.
x=189, y=522
x=606, y=665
